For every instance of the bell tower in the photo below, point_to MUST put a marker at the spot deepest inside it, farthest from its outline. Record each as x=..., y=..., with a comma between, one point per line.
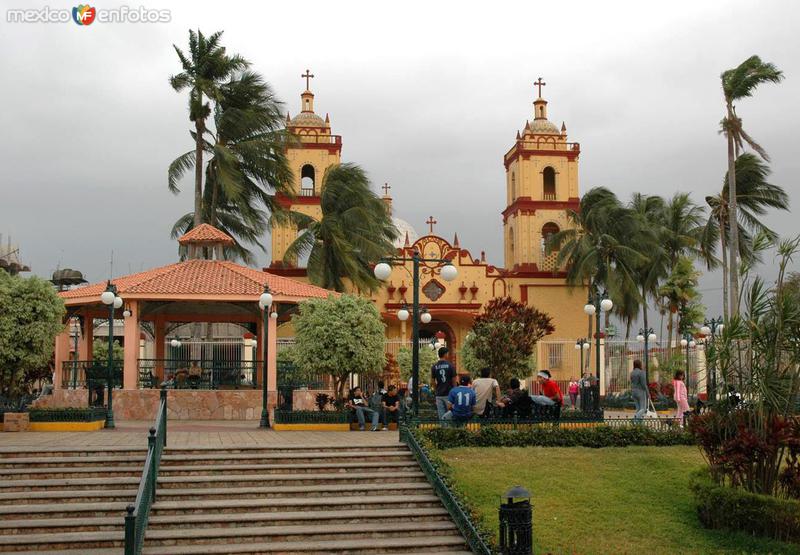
x=311, y=151
x=541, y=185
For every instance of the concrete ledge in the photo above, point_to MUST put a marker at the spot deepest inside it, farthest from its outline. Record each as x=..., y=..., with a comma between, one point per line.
x=67, y=426
x=15, y=422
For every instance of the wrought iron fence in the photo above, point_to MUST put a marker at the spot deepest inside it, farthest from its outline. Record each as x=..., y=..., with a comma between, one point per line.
x=79, y=374
x=661, y=423
x=138, y=514
x=199, y=374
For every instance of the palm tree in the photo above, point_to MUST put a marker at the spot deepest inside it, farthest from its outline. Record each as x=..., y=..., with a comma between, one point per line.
x=354, y=232
x=754, y=196
x=204, y=70
x=739, y=83
x=679, y=291
x=247, y=164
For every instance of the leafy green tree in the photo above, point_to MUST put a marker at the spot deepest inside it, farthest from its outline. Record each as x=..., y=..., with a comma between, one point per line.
x=427, y=358
x=355, y=231
x=754, y=196
x=338, y=336
x=679, y=291
x=100, y=350
x=205, y=68
x=738, y=83
x=31, y=316
x=505, y=335
x=247, y=164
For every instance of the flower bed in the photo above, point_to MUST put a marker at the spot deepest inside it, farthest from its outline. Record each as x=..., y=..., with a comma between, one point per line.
x=67, y=419
x=726, y=507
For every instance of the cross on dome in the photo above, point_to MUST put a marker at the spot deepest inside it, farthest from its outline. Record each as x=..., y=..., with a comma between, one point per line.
x=431, y=222
x=386, y=187
x=308, y=76
x=538, y=83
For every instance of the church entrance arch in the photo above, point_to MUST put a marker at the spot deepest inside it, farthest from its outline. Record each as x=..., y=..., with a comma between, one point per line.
x=438, y=328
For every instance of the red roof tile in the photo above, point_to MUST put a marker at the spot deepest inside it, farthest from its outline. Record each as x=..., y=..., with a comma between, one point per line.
x=202, y=278
x=205, y=233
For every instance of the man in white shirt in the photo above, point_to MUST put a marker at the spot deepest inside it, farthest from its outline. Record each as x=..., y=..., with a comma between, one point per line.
x=484, y=387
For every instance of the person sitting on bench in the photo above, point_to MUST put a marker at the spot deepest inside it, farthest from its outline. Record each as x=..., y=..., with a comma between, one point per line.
x=391, y=407
x=460, y=401
x=516, y=401
x=358, y=404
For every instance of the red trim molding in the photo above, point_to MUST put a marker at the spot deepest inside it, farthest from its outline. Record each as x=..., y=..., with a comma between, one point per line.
x=278, y=269
x=287, y=201
x=526, y=153
x=437, y=306
x=528, y=206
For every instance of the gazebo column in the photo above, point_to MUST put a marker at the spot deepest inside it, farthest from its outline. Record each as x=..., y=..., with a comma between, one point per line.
x=130, y=369
x=259, y=369
x=160, y=327
x=61, y=354
x=272, y=362
x=86, y=341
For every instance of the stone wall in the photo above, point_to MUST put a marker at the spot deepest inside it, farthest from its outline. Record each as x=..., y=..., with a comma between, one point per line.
x=193, y=404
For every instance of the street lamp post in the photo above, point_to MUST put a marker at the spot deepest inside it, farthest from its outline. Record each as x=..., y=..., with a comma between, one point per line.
x=382, y=271
x=112, y=301
x=265, y=303
x=712, y=328
x=597, y=303
x=581, y=345
x=646, y=336
x=688, y=343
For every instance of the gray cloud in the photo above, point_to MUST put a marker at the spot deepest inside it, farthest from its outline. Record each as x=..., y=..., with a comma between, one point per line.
x=427, y=96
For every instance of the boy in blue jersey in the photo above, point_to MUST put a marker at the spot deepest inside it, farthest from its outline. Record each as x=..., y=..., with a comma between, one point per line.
x=443, y=375
x=461, y=400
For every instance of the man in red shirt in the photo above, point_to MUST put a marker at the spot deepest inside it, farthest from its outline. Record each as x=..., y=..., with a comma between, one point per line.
x=551, y=392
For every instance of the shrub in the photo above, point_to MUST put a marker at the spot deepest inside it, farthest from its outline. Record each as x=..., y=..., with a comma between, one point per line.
x=731, y=508
x=69, y=414
x=547, y=435
x=312, y=417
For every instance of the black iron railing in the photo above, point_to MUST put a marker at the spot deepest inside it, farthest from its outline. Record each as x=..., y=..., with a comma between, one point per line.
x=138, y=513
x=661, y=423
x=457, y=511
x=201, y=374
x=80, y=374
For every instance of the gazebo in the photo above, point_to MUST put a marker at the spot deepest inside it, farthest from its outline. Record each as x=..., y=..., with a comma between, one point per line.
x=170, y=317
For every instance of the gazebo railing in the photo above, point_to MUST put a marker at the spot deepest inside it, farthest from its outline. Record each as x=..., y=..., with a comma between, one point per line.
x=200, y=374
x=77, y=374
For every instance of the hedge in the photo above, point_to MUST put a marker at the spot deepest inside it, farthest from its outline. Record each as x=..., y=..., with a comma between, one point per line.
x=725, y=507
x=69, y=414
x=312, y=417
x=553, y=436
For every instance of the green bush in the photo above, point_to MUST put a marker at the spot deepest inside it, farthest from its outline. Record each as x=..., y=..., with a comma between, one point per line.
x=725, y=507
x=552, y=436
x=69, y=414
x=312, y=417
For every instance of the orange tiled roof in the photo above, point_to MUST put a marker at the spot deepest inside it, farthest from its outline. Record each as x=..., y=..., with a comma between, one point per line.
x=202, y=278
x=205, y=233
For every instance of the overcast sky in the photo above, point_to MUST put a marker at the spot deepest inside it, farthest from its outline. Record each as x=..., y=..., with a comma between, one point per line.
x=427, y=96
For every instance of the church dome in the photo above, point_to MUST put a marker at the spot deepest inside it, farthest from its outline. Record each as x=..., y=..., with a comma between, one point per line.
x=404, y=228
x=544, y=126
x=307, y=119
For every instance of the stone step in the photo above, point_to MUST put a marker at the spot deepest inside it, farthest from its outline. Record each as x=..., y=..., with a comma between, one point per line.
x=296, y=533
x=422, y=544
x=43, y=451
x=292, y=504
x=70, y=472
x=299, y=457
x=63, y=510
x=49, y=484
x=58, y=525
x=61, y=540
x=288, y=449
x=342, y=477
x=67, y=496
x=283, y=467
x=72, y=461
x=343, y=516
x=279, y=492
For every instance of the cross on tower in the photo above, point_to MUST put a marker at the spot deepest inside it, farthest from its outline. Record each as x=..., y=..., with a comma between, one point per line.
x=431, y=222
x=539, y=83
x=386, y=188
x=308, y=75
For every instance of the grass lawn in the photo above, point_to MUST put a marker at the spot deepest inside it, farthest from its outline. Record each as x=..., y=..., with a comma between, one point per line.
x=632, y=500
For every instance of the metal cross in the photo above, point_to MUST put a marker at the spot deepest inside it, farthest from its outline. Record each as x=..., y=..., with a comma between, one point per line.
x=386, y=188
x=538, y=83
x=308, y=75
x=431, y=222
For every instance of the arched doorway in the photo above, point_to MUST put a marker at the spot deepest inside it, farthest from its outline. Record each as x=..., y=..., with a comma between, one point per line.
x=430, y=330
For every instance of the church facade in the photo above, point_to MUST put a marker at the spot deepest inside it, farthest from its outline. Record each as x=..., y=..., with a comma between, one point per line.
x=541, y=185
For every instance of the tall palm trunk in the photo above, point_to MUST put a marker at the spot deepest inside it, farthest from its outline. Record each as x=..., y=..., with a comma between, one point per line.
x=644, y=322
x=733, y=240
x=199, y=126
x=724, y=255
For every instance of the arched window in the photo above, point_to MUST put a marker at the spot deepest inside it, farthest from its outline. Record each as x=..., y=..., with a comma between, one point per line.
x=511, y=239
x=548, y=230
x=307, y=182
x=513, y=186
x=549, y=180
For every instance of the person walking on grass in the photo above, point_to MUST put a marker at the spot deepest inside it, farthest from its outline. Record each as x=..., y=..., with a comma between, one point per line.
x=681, y=397
x=443, y=377
x=639, y=390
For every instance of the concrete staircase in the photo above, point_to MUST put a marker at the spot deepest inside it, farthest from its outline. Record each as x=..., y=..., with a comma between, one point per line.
x=253, y=499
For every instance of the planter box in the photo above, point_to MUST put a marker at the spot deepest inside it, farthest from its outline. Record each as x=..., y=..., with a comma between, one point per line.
x=67, y=426
x=67, y=419
x=16, y=422
x=311, y=427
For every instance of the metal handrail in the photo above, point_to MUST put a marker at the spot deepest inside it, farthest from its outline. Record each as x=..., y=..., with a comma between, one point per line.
x=453, y=506
x=138, y=513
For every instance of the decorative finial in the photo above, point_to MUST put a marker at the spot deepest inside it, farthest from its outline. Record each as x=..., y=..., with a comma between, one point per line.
x=431, y=222
x=538, y=83
x=327, y=118
x=386, y=188
x=455, y=240
x=288, y=118
x=308, y=76
x=407, y=242
x=483, y=256
x=527, y=125
x=563, y=127
x=518, y=137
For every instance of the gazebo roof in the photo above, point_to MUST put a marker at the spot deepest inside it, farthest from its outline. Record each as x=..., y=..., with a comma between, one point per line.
x=205, y=233
x=200, y=279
